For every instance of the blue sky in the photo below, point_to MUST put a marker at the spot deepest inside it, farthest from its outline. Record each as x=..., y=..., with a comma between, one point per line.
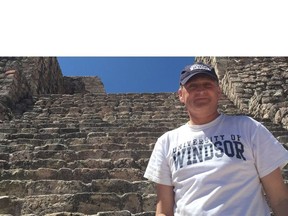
x=129, y=74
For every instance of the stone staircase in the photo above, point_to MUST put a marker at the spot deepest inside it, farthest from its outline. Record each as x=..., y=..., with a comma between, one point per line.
x=85, y=154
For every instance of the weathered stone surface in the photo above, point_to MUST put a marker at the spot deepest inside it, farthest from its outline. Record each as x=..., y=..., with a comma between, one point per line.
x=9, y=206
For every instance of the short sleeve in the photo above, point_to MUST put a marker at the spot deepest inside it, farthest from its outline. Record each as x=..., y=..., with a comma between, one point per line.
x=158, y=169
x=269, y=153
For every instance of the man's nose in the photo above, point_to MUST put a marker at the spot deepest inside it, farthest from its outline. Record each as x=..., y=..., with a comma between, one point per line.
x=201, y=88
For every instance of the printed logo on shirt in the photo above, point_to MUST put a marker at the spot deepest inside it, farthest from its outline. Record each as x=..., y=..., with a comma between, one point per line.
x=200, y=150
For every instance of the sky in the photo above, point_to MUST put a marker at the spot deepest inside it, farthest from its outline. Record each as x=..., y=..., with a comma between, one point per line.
x=129, y=74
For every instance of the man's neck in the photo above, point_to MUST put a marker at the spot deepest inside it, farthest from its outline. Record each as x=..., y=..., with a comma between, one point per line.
x=196, y=120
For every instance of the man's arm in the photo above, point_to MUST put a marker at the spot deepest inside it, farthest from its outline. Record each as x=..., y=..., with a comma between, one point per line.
x=165, y=200
x=277, y=192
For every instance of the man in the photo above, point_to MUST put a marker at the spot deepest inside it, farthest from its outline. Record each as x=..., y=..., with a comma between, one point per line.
x=216, y=164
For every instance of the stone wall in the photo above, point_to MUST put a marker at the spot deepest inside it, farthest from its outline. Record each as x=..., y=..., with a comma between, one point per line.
x=83, y=84
x=22, y=77
x=257, y=85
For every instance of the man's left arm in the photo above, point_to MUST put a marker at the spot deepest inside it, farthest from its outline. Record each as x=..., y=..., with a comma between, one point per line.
x=277, y=192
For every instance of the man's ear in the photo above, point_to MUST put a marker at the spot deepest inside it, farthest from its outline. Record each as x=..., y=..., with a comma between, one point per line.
x=180, y=94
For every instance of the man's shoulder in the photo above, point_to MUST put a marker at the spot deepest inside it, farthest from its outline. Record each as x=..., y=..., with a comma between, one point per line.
x=241, y=120
x=240, y=117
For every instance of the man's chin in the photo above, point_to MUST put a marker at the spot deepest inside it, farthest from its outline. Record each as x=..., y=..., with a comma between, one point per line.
x=202, y=103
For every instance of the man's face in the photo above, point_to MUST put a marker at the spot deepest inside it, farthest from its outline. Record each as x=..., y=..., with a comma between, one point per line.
x=200, y=94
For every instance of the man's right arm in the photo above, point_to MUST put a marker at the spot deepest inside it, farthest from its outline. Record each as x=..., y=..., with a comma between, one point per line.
x=165, y=200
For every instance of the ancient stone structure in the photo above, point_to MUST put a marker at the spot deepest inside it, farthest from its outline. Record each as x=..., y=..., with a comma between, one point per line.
x=68, y=148
x=23, y=77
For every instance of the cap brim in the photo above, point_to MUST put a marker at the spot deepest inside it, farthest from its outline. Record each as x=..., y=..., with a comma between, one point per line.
x=184, y=81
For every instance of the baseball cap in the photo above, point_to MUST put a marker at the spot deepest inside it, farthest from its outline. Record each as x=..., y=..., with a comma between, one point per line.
x=196, y=68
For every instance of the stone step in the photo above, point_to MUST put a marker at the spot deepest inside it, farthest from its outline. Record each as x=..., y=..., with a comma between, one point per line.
x=23, y=188
x=61, y=152
x=76, y=145
x=105, y=132
x=109, y=118
x=87, y=203
x=123, y=126
x=107, y=213
x=88, y=163
x=77, y=112
x=110, y=146
x=83, y=174
x=64, y=127
x=57, y=106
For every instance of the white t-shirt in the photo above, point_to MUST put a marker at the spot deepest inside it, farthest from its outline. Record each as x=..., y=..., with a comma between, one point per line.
x=215, y=168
